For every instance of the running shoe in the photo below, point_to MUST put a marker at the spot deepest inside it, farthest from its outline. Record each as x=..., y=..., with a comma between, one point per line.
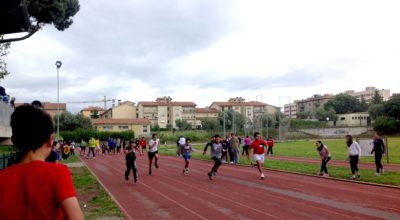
x=135, y=180
x=126, y=178
x=150, y=172
x=156, y=165
x=325, y=175
x=186, y=171
x=210, y=176
x=262, y=176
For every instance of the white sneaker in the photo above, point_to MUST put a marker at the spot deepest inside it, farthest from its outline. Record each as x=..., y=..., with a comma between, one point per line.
x=382, y=171
x=262, y=176
x=325, y=175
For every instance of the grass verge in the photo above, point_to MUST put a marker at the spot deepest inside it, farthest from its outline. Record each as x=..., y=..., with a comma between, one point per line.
x=93, y=199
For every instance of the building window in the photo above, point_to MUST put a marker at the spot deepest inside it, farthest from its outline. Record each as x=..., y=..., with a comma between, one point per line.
x=107, y=127
x=144, y=128
x=123, y=127
x=342, y=118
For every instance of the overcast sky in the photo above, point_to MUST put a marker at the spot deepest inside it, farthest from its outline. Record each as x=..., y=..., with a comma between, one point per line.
x=210, y=50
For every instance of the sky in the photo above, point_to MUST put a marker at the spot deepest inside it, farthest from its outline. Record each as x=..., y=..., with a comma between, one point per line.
x=208, y=50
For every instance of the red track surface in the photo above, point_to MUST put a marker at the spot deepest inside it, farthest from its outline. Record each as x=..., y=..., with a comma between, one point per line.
x=237, y=193
x=339, y=163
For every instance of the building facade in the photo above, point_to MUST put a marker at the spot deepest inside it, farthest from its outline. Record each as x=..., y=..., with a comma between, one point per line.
x=164, y=112
x=92, y=111
x=250, y=110
x=359, y=119
x=290, y=110
x=368, y=93
x=123, y=110
x=313, y=103
x=205, y=113
x=50, y=107
x=140, y=126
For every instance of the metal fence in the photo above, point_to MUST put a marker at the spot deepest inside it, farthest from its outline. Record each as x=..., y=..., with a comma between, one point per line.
x=7, y=160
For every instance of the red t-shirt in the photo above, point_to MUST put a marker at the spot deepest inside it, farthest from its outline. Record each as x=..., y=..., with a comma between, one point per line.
x=258, y=146
x=143, y=143
x=270, y=143
x=34, y=190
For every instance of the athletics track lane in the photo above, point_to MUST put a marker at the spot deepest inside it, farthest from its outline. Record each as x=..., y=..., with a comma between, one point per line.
x=237, y=193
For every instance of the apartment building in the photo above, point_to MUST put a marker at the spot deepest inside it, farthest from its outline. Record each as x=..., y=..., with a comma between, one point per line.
x=140, y=126
x=205, y=113
x=313, y=103
x=251, y=109
x=290, y=110
x=164, y=111
x=92, y=111
x=123, y=110
x=368, y=93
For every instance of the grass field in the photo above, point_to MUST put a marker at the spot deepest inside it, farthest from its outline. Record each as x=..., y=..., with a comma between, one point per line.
x=98, y=203
x=306, y=149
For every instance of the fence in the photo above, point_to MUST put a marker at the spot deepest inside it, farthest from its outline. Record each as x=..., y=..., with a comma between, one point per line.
x=7, y=160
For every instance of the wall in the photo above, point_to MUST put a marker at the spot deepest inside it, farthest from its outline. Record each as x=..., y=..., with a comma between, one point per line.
x=124, y=111
x=5, y=117
x=336, y=132
x=137, y=129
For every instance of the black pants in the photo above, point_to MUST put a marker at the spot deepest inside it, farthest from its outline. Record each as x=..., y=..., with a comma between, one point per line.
x=378, y=162
x=217, y=164
x=269, y=151
x=91, y=149
x=354, y=164
x=323, y=165
x=131, y=165
x=230, y=152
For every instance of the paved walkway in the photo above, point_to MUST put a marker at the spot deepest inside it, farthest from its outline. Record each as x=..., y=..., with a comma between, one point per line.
x=237, y=193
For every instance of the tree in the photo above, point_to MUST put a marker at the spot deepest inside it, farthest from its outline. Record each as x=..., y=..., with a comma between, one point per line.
x=231, y=115
x=343, y=104
x=363, y=105
x=386, y=125
x=3, y=53
x=322, y=114
x=209, y=124
x=70, y=122
x=377, y=98
x=183, y=124
x=304, y=115
x=376, y=110
x=392, y=107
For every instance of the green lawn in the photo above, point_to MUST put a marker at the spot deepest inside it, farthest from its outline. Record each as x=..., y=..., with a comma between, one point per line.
x=98, y=203
x=307, y=149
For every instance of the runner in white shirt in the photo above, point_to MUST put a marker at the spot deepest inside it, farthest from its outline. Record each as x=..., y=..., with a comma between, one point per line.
x=154, y=143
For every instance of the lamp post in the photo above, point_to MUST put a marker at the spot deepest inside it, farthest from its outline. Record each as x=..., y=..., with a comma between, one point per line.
x=58, y=65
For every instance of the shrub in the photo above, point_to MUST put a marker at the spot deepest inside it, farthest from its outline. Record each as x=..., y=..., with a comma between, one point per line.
x=386, y=125
x=86, y=134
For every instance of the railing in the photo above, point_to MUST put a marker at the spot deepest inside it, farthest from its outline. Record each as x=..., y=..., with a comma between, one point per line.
x=7, y=160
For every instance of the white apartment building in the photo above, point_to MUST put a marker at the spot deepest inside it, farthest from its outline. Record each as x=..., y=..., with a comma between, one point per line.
x=164, y=111
x=369, y=93
x=290, y=110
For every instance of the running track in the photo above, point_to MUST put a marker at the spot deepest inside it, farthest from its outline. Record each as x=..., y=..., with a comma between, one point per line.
x=338, y=163
x=237, y=193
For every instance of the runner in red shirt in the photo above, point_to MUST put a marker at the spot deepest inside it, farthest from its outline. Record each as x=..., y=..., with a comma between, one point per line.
x=259, y=152
x=143, y=144
x=270, y=143
x=33, y=188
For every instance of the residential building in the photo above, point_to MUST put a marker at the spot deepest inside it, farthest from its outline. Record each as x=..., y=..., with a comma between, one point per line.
x=205, y=113
x=164, y=111
x=92, y=111
x=251, y=109
x=140, y=126
x=361, y=119
x=122, y=110
x=290, y=110
x=369, y=93
x=313, y=103
x=50, y=107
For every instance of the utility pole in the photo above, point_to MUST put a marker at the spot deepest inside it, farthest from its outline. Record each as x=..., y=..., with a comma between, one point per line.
x=223, y=112
x=58, y=65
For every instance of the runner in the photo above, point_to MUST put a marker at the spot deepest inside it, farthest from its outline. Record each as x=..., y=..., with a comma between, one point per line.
x=354, y=150
x=186, y=152
x=235, y=146
x=180, y=144
x=379, y=150
x=143, y=144
x=83, y=148
x=246, y=146
x=130, y=157
x=259, y=152
x=92, y=146
x=154, y=143
x=325, y=157
x=216, y=153
x=270, y=143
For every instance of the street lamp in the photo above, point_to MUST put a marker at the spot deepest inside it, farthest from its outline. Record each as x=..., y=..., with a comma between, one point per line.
x=58, y=65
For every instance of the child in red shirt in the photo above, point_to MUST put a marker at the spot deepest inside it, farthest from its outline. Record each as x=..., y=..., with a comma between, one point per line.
x=33, y=188
x=259, y=152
